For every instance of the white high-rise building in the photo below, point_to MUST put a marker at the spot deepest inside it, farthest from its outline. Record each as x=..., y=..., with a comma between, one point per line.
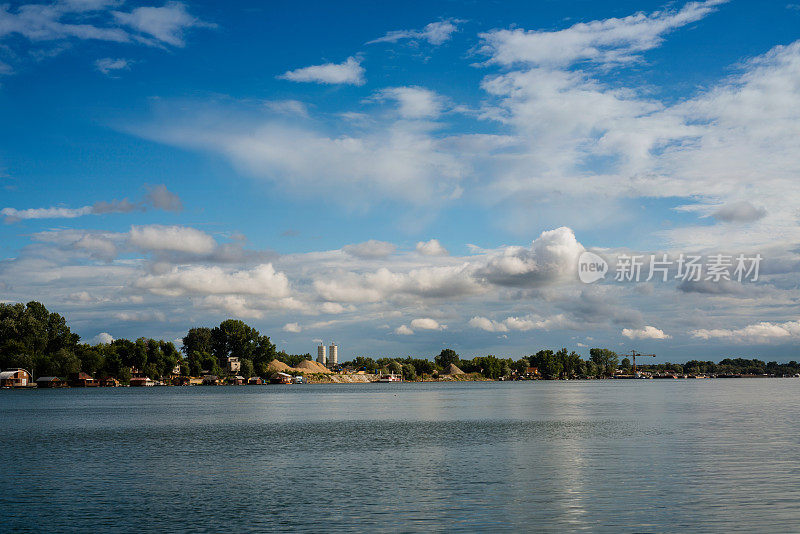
x=321, y=354
x=333, y=354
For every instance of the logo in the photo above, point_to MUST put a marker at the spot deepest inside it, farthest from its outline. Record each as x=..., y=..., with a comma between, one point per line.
x=591, y=267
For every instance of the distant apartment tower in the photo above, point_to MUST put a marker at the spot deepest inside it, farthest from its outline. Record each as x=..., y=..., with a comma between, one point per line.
x=333, y=354
x=321, y=354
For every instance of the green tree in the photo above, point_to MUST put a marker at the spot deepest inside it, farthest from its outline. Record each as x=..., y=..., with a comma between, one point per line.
x=446, y=357
x=247, y=368
x=605, y=360
x=548, y=364
x=197, y=340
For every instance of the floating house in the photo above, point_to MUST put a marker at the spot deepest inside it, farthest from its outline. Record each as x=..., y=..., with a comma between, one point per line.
x=281, y=378
x=109, y=382
x=141, y=381
x=211, y=380
x=82, y=380
x=255, y=381
x=15, y=378
x=49, y=382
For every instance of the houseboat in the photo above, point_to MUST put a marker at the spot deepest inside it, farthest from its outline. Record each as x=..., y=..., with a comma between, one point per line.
x=141, y=381
x=281, y=378
x=390, y=378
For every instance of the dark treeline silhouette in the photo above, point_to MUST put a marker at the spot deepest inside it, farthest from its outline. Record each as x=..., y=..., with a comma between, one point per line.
x=39, y=341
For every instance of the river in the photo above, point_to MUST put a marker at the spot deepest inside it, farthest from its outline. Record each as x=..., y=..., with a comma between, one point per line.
x=611, y=455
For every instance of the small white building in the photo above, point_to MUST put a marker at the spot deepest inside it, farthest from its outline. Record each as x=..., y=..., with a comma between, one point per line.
x=234, y=365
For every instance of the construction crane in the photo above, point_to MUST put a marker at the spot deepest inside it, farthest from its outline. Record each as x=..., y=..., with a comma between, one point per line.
x=633, y=354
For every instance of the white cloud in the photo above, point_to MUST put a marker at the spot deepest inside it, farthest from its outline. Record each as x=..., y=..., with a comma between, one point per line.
x=350, y=72
x=613, y=40
x=431, y=248
x=288, y=107
x=54, y=25
x=413, y=102
x=370, y=249
x=382, y=285
x=552, y=256
x=158, y=197
x=403, y=330
x=108, y=65
x=400, y=161
x=104, y=338
x=141, y=316
x=165, y=24
x=426, y=323
x=292, y=327
x=332, y=308
x=435, y=33
x=202, y=280
x=171, y=238
x=760, y=333
x=484, y=323
x=648, y=332
x=523, y=324
x=13, y=215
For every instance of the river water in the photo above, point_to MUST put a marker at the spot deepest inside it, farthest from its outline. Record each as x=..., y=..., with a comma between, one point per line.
x=613, y=455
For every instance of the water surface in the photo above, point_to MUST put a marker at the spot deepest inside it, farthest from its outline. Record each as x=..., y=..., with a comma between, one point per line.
x=615, y=456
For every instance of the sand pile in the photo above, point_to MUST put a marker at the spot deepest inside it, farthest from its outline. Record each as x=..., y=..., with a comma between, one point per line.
x=277, y=365
x=307, y=366
x=452, y=369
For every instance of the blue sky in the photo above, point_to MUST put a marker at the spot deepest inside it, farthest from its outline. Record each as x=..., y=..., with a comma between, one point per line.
x=290, y=163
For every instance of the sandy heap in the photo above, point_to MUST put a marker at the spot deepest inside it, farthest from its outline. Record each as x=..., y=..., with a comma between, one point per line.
x=307, y=366
x=453, y=369
x=278, y=366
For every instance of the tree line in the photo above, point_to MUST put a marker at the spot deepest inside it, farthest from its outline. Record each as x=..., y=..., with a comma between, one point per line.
x=33, y=338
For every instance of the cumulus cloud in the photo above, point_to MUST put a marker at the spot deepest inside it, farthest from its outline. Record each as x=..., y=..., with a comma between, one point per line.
x=403, y=330
x=484, y=323
x=522, y=324
x=431, y=248
x=648, y=332
x=261, y=280
x=370, y=249
x=759, y=333
x=435, y=33
x=171, y=238
x=349, y=72
x=428, y=282
x=103, y=338
x=292, y=327
x=426, y=323
x=553, y=255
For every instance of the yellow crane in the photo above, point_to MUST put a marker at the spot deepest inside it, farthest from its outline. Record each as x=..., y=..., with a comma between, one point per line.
x=633, y=354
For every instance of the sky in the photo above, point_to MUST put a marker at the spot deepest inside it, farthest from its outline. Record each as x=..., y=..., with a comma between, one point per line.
x=403, y=178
